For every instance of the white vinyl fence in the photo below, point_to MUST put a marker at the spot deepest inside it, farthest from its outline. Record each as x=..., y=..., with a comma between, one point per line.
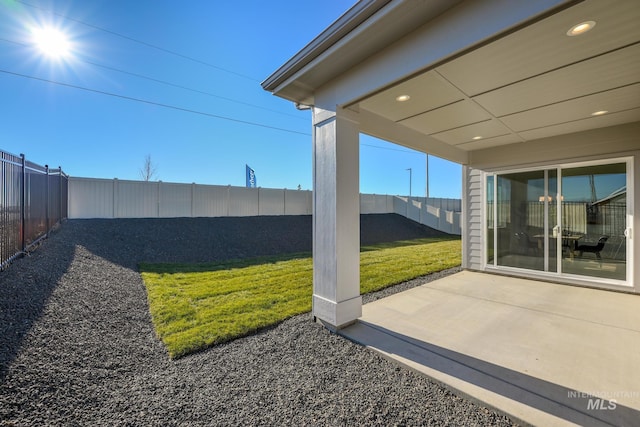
x=441, y=214
x=114, y=198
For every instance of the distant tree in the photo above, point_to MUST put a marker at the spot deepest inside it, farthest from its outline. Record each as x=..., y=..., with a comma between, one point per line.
x=149, y=169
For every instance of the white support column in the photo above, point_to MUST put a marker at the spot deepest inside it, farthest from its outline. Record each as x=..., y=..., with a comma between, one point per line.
x=336, y=219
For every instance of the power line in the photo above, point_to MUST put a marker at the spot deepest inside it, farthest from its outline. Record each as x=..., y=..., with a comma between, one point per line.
x=248, y=104
x=171, y=52
x=158, y=104
x=164, y=82
x=173, y=107
x=392, y=149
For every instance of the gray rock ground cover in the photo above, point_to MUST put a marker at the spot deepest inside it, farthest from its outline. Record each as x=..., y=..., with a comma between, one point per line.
x=77, y=346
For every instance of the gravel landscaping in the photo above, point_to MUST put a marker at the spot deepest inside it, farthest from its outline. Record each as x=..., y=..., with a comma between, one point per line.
x=77, y=346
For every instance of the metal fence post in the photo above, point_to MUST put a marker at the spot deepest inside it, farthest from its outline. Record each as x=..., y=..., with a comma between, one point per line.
x=23, y=199
x=46, y=196
x=60, y=194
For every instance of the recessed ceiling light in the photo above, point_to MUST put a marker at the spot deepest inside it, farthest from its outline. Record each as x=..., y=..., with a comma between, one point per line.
x=581, y=28
x=476, y=137
x=599, y=113
x=403, y=98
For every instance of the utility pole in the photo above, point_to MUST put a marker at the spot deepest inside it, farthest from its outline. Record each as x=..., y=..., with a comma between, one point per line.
x=592, y=185
x=410, y=173
x=427, y=176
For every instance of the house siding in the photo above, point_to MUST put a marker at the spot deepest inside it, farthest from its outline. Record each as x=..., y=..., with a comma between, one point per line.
x=473, y=219
x=599, y=144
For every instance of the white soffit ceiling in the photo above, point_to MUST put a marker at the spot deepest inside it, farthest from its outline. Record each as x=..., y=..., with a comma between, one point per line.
x=447, y=117
x=530, y=84
x=427, y=89
x=621, y=99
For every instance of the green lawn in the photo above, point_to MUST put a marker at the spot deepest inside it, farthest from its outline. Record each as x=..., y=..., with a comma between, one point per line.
x=194, y=306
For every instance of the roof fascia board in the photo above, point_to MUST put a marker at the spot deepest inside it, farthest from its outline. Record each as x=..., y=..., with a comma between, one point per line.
x=350, y=20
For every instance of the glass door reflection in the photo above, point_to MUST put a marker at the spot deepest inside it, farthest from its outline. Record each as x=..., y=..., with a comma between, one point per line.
x=594, y=221
x=521, y=204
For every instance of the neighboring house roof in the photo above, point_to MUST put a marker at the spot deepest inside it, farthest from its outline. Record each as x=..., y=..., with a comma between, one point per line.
x=614, y=196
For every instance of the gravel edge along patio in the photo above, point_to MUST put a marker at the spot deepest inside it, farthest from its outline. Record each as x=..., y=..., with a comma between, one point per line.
x=77, y=346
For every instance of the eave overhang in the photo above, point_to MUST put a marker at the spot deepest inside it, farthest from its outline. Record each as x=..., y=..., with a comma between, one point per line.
x=365, y=29
x=355, y=16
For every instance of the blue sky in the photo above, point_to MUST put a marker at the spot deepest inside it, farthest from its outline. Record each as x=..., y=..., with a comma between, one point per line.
x=236, y=45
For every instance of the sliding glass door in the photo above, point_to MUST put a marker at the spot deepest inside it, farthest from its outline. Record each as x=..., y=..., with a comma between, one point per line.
x=594, y=215
x=525, y=212
x=563, y=220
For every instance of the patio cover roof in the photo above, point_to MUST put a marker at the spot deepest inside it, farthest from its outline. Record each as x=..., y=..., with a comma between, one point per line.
x=478, y=74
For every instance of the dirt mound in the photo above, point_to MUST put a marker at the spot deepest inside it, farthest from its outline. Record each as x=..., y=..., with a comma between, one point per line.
x=130, y=241
x=381, y=228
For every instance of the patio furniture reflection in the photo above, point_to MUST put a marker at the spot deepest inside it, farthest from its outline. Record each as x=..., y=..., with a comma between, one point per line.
x=570, y=241
x=595, y=249
x=526, y=244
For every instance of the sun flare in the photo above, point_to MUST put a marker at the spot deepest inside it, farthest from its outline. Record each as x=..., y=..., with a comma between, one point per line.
x=52, y=42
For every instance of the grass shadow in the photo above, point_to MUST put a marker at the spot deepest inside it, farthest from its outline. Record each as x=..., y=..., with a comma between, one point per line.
x=168, y=268
x=404, y=243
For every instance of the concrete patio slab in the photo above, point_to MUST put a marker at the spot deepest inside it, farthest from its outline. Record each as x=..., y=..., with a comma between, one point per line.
x=546, y=354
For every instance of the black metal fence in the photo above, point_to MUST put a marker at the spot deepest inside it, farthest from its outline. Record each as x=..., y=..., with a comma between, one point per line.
x=33, y=200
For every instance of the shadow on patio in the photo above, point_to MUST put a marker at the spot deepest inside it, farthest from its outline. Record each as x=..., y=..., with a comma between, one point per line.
x=544, y=353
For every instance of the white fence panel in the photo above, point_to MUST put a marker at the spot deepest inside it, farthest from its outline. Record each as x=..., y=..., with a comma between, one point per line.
x=101, y=198
x=448, y=226
x=401, y=206
x=210, y=201
x=298, y=202
x=136, y=199
x=271, y=201
x=413, y=212
x=453, y=205
x=366, y=203
x=90, y=198
x=430, y=216
x=455, y=226
x=574, y=217
x=386, y=203
x=175, y=200
x=243, y=201
x=375, y=204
